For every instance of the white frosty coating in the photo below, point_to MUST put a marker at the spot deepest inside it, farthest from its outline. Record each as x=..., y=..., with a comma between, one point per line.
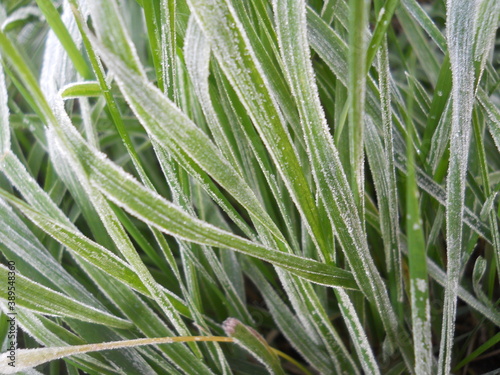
x=460, y=26
x=4, y=117
x=421, y=285
x=390, y=227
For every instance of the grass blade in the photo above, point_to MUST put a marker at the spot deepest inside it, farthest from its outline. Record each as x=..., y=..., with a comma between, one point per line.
x=461, y=18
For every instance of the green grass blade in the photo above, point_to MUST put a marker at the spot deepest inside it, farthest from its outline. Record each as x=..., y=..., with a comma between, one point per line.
x=358, y=20
x=38, y=298
x=4, y=117
x=461, y=18
x=419, y=288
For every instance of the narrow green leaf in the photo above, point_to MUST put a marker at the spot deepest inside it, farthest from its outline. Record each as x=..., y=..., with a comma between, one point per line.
x=460, y=24
x=79, y=89
x=419, y=289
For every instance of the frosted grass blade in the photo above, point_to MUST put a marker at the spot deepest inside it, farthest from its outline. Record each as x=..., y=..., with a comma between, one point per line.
x=81, y=89
x=385, y=175
x=153, y=109
x=460, y=24
x=46, y=333
x=38, y=298
x=34, y=357
x=358, y=21
x=419, y=288
x=4, y=117
x=33, y=260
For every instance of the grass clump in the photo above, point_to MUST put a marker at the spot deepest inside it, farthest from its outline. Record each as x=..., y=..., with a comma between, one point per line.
x=321, y=176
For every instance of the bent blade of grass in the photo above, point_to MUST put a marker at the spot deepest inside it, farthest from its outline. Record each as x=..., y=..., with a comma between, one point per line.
x=173, y=221
x=126, y=192
x=327, y=170
x=460, y=26
x=41, y=299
